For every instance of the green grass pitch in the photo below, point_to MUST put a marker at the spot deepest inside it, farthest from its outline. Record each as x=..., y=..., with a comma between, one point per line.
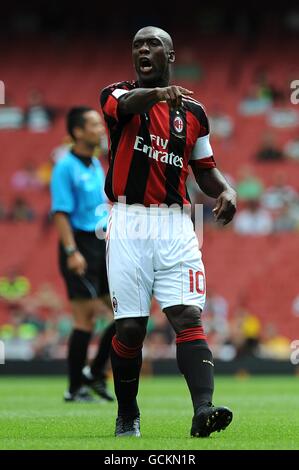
x=33, y=416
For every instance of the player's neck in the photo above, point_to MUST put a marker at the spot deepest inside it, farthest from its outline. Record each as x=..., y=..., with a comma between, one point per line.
x=161, y=82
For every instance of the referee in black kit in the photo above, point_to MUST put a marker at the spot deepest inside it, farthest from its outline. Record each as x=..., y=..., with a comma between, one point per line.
x=77, y=191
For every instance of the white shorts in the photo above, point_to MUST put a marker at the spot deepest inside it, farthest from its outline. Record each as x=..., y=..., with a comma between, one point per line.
x=152, y=252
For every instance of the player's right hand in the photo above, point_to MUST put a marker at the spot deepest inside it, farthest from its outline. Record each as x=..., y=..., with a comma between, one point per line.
x=173, y=95
x=77, y=263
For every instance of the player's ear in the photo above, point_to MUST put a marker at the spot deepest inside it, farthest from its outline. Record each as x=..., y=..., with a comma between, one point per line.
x=171, y=57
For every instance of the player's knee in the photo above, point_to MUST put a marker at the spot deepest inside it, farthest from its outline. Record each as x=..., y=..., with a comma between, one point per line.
x=130, y=331
x=183, y=317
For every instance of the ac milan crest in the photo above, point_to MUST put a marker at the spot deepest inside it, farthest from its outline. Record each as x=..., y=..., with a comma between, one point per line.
x=178, y=124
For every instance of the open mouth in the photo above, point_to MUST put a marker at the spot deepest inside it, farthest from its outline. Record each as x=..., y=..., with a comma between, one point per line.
x=145, y=65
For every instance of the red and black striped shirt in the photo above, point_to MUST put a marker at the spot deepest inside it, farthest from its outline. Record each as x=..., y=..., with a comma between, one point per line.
x=149, y=153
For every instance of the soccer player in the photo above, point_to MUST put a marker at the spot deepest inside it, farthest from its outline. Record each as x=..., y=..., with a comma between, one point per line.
x=156, y=131
x=77, y=189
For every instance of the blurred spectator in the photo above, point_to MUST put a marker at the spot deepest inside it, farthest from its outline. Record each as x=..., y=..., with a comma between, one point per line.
x=291, y=149
x=37, y=323
x=275, y=345
x=16, y=347
x=59, y=152
x=159, y=323
x=155, y=347
x=277, y=196
x=45, y=300
x=285, y=220
x=262, y=85
x=264, y=88
x=222, y=125
x=43, y=173
x=294, y=212
x=254, y=104
x=22, y=313
x=216, y=304
x=268, y=150
x=38, y=116
x=65, y=326
x=26, y=178
x=14, y=286
x=46, y=342
x=11, y=116
x=246, y=330
x=20, y=333
x=215, y=319
x=21, y=211
x=253, y=221
x=249, y=186
x=159, y=341
x=282, y=115
x=261, y=95
x=282, y=201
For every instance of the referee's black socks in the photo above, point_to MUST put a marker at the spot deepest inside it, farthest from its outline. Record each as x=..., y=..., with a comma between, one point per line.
x=195, y=362
x=99, y=363
x=126, y=364
x=77, y=354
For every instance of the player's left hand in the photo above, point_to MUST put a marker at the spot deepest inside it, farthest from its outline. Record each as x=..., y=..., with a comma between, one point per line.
x=226, y=206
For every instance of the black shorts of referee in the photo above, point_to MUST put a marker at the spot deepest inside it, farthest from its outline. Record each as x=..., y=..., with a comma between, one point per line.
x=94, y=283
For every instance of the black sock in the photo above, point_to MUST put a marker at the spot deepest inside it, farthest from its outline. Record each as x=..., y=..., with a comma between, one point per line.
x=126, y=371
x=99, y=363
x=195, y=362
x=77, y=353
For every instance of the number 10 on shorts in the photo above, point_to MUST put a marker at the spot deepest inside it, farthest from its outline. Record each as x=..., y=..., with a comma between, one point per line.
x=197, y=281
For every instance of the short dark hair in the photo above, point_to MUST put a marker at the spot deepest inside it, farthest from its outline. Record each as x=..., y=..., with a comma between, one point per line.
x=75, y=118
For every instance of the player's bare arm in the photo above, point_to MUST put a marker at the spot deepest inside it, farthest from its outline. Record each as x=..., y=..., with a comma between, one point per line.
x=213, y=184
x=141, y=100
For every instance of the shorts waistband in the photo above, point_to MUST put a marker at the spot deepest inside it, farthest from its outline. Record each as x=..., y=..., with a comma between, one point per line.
x=133, y=209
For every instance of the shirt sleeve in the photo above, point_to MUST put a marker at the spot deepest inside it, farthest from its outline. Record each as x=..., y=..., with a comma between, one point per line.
x=62, y=195
x=110, y=99
x=202, y=153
